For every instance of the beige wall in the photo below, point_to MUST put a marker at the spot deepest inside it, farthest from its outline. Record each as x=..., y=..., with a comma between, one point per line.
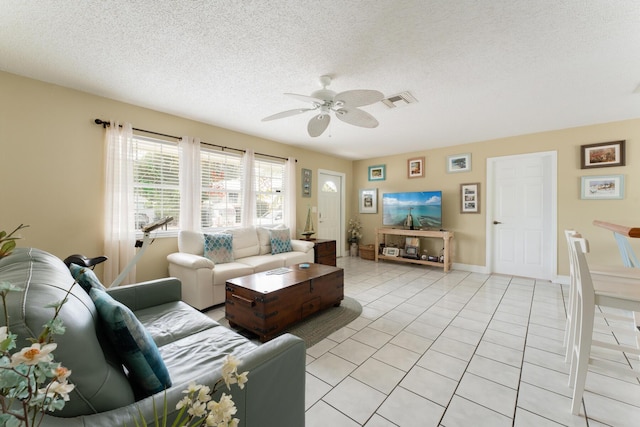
x=52, y=161
x=52, y=169
x=573, y=212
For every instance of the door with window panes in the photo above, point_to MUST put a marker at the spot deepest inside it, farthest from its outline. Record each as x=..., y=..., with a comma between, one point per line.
x=331, y=208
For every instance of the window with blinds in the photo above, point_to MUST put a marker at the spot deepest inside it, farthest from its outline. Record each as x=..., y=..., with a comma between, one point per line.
x=221, y=189
x=269, y=185
x=156, y=181
x=157, y=186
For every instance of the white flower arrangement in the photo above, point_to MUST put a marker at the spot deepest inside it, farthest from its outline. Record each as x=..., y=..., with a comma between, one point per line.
x=31, y=383
x=198, y=408
x=353, y=232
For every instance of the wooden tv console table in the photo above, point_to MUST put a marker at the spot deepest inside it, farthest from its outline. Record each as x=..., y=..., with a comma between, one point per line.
x=447, y=236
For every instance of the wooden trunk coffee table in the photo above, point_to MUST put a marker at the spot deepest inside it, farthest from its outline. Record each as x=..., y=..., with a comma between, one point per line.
x=267, y=303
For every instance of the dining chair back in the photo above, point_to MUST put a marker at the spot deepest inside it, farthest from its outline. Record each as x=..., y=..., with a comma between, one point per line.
x=623, y=295
x=572, y=289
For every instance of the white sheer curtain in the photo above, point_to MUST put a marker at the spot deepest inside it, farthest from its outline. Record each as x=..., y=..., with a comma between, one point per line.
x=190, y=183
x=248, y=189
x=290, y=194
x=119, y=239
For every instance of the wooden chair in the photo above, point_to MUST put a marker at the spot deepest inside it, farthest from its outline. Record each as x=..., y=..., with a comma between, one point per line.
x=623, y=295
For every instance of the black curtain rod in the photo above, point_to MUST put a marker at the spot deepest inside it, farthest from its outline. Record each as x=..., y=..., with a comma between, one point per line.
x=105, y=124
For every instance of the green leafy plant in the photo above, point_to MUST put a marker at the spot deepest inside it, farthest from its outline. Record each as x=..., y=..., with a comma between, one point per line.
x=8, y=241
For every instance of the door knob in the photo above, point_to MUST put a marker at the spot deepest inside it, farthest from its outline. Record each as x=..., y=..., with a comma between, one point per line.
x=496, y=222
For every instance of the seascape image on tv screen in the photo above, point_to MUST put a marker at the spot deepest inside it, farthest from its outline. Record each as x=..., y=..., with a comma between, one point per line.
x=426, y=209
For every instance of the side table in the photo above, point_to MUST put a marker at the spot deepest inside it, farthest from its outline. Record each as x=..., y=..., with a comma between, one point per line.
x=324, y=251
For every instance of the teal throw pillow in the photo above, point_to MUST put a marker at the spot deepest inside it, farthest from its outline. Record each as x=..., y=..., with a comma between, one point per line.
x=280, y=241
x=85, y=277
x=218, y=247
x=133, y=344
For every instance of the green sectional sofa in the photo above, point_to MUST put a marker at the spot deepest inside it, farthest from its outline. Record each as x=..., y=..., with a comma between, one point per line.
x=192, y=346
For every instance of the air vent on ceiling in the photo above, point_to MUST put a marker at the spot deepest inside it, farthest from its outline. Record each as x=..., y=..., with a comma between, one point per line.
x=399, y=100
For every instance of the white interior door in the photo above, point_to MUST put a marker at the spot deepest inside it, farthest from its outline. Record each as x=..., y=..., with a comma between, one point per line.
x=331, y=208
x=521, y=221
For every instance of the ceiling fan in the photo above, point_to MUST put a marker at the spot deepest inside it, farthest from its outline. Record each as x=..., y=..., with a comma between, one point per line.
x=344, y=105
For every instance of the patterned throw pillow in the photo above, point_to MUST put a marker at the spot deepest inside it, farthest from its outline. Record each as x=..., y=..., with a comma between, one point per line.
x=280, y=241
x=85, y=277
x=218, y=247
x=132, y=343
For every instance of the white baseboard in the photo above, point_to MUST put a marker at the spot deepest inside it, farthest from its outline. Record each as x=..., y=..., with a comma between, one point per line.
x=471, y=268
x=562, y=280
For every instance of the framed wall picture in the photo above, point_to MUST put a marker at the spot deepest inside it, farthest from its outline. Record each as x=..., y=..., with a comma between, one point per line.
x=470, y=198
x=459, y=163
x=415, y=167
x=306, y=182
x=369, y=200
x=377, y=173
x=602, y=155
x=606, y=187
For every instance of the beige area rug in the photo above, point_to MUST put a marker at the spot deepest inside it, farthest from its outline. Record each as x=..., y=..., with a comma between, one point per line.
x=317, y=327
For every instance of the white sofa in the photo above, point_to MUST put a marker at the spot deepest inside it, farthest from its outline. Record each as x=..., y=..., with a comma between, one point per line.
x=203, y=281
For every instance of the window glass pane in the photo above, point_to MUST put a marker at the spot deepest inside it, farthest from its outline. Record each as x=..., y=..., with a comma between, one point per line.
x=330, y=187
x=156, y=181
x=221, y=189
x=269, y=176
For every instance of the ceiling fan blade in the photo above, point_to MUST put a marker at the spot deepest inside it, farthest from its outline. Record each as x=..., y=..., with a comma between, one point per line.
x=356, y=117
x=287, y=113
x=318, y=124
x=359, y=97
x=306, y=98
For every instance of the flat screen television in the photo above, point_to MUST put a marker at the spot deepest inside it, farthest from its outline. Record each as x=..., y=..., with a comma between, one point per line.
x=426, y=209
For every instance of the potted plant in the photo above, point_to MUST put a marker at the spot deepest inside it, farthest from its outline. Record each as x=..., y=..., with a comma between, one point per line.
x=354, y=235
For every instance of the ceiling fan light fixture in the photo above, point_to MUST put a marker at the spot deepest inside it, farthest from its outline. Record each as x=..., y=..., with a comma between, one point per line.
x=344, y=105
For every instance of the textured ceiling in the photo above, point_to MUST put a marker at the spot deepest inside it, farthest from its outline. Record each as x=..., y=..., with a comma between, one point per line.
x=480, y=69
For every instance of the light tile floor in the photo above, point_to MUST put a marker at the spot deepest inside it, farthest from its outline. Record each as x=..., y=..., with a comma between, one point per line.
x=456, y=349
